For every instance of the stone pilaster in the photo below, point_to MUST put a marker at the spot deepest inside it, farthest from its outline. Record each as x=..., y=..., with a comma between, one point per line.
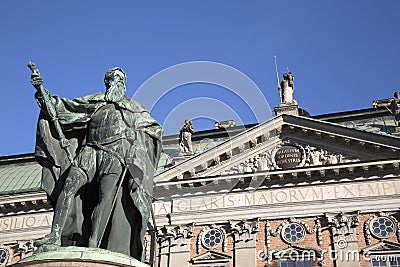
x=345, y=247
x=244, y=233
x=175, y=245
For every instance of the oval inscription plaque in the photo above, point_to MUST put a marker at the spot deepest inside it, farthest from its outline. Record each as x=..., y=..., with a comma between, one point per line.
x=288, y=157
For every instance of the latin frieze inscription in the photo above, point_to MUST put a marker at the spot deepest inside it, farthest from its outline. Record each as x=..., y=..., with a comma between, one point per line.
x=273, y=196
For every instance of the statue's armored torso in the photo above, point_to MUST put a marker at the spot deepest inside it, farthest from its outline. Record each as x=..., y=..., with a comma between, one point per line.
x=106, y=125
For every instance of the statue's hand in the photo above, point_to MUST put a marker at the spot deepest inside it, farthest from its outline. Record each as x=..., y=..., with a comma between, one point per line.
x=64, y=142
x=36, y=81
x=132, y=184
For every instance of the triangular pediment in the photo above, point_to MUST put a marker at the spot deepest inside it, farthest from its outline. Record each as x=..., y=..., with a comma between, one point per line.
x=286, y=252
x=286, y=142
x=382, y=247
x=211, y=257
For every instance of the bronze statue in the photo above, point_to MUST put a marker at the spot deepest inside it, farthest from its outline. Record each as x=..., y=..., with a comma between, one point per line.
x=98, y=155
x=185, y=138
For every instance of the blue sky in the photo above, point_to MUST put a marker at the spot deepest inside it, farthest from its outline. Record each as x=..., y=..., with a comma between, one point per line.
x=344, y=55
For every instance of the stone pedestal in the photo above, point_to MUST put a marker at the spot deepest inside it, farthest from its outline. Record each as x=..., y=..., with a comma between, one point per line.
x=291, y=109
x=54, y=256
x=181, y=158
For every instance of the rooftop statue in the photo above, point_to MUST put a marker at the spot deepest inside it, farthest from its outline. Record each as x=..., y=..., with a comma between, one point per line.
x=98, y=155
x=287, y=88
x=394, y=107
x=185, y=138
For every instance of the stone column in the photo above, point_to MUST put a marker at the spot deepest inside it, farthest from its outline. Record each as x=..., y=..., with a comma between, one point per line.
x=345, y=245
x=175, y=245
x=244, y=233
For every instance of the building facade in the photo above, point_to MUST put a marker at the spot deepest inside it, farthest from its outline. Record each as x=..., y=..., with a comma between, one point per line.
x=295, y=190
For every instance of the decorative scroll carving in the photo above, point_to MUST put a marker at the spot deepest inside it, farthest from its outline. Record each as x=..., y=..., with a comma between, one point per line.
x=367, y=232
x=244, y=232
x=343, y=226
x=318, y=230
x=26, y=249
x=15, y=249
x=176, y=238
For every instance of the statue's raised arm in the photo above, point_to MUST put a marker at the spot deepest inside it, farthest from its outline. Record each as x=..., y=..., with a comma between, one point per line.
x=46, y=105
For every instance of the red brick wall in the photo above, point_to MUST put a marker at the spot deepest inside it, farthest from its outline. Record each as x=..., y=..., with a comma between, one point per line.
x=276, y=243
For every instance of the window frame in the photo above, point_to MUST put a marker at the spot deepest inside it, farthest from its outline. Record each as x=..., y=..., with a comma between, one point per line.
x=282, y=260
x=378, y=236
x=386, y=258
x=287, y=226
x=213, y=265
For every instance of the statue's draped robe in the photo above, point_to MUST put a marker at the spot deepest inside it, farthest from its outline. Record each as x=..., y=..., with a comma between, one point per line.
x=142, y=146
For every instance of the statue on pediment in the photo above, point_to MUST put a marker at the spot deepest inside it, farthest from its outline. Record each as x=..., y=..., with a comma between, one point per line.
x=185, y=138
x=394, y=107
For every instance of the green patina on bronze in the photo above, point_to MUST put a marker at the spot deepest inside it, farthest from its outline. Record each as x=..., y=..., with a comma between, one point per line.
x=98, y=154
x=51, y=255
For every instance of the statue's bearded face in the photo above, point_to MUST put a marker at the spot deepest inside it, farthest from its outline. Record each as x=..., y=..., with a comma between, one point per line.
x=115, y=85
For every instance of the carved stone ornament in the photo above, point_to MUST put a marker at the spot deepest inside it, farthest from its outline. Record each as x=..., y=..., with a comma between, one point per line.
x=260, y=162
x=5, y=256
x=177, y=238
x=212, y=237
x=288, y=155
x=317, y=156
x=244, y=232
x=293, y=222
x=277, y=253
x=343, y=225
x=381, y=226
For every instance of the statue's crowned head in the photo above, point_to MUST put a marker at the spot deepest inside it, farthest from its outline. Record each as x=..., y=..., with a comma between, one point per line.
x=115, y=82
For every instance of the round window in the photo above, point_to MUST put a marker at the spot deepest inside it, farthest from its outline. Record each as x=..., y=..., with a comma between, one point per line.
x=382, y=227
x=212, y=238
x=3, y=256
x=293, y=232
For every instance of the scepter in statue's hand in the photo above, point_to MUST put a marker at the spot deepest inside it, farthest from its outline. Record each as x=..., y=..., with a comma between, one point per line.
x=47, y=106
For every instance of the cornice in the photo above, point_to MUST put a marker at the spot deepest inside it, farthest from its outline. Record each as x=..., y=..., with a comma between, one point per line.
x=371, y=146
x=8, y=203
x=311, y=173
